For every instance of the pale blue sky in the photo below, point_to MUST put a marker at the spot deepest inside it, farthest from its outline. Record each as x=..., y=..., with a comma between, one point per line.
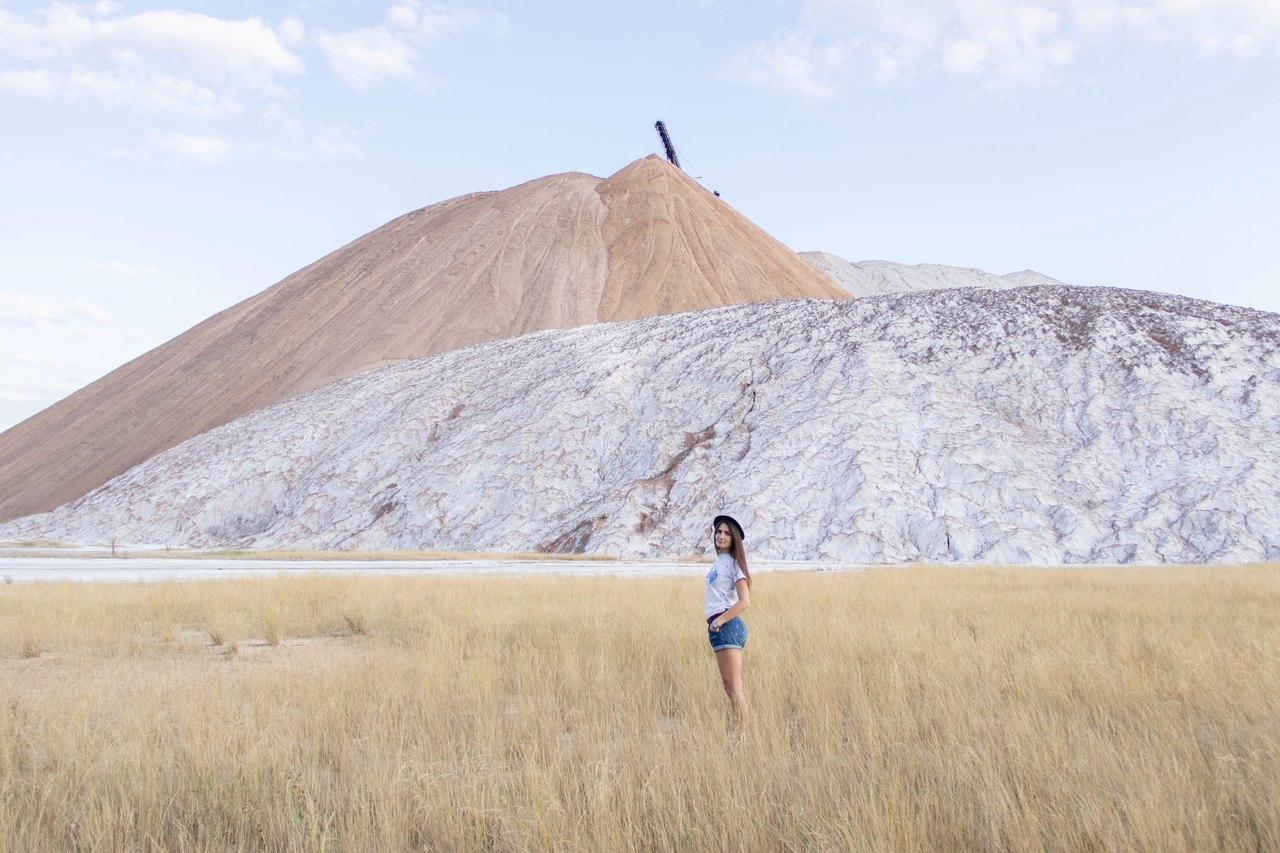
x=162, y=161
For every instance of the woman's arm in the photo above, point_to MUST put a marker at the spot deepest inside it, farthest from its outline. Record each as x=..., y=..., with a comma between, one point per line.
x=744, y=601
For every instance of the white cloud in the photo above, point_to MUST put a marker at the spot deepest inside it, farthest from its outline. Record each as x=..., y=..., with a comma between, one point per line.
x=34, y=392
x=149, y=90
x=26, y=312
x=183, y=64
x=967, y=56
x=198, y=147
x=120, y=268
x=368, y=56
x=292, y=32
x=289, y=139
x=34, y=83
x=201, y=148
x=302, y=142
x=163, y=60
x=1004, y=43
x=326, y=143
x=403, y=16
x=362, y=58
x=791, y=64
x=203, y=43
x=246, y=50
x=30, y=382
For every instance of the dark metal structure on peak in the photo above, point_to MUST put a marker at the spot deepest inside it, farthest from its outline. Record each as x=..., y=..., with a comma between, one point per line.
x=671, y=152
x=666, y=143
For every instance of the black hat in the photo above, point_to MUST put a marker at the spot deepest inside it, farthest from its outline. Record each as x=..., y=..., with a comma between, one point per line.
x=731, y=520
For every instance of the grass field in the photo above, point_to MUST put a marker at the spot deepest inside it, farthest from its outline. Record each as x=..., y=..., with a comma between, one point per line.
x=899, y=709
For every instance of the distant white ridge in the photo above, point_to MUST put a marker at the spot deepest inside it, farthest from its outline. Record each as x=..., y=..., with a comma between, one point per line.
x=876, y=278
x=1030, y=425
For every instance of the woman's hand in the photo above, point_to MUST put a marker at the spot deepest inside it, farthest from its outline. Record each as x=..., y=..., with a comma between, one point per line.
x=715, y=624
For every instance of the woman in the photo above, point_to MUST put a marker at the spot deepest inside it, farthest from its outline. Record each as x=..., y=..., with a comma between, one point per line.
x=728, y=594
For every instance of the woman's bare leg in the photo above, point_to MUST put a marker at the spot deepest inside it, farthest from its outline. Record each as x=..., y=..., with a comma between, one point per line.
x=729, y=662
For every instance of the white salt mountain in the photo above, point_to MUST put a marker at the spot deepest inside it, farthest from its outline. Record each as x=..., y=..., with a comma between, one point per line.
x=1038, y=424
x=876, y=278
x=560, y=251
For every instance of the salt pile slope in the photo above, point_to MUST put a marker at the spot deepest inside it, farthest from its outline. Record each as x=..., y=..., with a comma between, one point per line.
x=1040, y=424
x=557, y=252
x=875, y=278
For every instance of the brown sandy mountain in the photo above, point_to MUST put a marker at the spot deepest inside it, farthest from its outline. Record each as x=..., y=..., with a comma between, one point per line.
x=560, y=251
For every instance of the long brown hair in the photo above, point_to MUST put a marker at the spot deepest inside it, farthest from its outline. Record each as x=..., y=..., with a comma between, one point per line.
x=736, y=548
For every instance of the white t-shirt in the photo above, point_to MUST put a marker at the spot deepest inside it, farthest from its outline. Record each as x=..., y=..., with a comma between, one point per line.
x=721, y=592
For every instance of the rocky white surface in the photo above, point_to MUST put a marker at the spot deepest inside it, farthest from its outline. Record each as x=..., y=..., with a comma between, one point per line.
x=1036, y=424
x=876, y=278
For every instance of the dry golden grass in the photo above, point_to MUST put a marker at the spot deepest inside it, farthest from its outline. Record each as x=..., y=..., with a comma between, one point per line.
x=922, y=708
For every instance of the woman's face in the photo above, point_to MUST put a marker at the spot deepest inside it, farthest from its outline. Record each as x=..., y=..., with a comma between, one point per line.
x=722, y=537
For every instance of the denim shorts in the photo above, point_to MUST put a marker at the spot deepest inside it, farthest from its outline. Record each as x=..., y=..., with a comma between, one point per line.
x=732, y=635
